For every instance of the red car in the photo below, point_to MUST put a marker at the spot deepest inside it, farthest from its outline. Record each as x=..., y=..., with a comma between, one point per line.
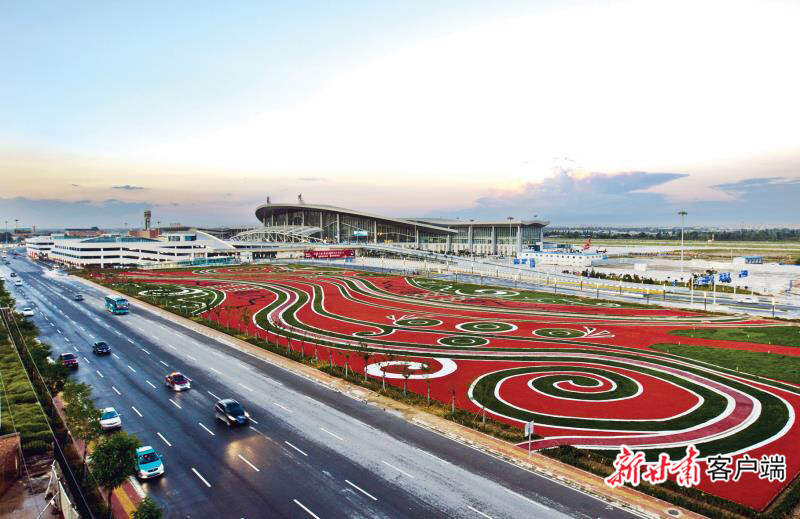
x=70, y=360
x=177, y=381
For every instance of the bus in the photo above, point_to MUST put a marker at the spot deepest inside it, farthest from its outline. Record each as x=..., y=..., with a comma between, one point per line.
x=116, y=304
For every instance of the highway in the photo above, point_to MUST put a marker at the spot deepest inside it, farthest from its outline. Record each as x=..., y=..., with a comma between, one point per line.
x=310, y=451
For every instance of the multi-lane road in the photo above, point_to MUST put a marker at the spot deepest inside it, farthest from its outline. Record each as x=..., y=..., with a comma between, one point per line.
x=309, y=452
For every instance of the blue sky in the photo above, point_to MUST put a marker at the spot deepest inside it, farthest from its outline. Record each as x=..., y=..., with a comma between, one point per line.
x=581, y=112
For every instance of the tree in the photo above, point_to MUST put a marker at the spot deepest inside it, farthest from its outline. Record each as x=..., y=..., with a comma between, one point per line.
x=365, y=354
x=148, y=509
x=246, y=321
x=406, y=374
x=113, y=460
x=82, y=417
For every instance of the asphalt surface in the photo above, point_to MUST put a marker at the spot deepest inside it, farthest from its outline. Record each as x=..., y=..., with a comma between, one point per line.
x=310, y=451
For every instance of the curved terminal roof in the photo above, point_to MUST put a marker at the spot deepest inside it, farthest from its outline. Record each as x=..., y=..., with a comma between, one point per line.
x=266, y=210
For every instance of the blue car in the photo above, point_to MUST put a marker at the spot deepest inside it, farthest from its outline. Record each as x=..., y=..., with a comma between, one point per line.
x=148, y=463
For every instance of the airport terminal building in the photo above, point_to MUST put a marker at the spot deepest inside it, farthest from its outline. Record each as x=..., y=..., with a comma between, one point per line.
x=323, y=224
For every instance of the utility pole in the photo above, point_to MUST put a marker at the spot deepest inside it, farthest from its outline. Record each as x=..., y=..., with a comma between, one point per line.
x=683, y=216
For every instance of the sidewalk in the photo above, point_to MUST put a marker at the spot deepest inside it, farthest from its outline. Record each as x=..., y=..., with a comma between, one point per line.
x=127, y=496
x=623, y=497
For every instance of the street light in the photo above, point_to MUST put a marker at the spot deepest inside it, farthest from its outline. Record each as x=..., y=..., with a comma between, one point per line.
x=510, y=243
x=683, y=216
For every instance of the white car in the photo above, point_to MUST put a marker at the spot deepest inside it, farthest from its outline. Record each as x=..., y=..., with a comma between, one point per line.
x=110, y=419
x=748, y=299
x=17, y=283
x=27, y=311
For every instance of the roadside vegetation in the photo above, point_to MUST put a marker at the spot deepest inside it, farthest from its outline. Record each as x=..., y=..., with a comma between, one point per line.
x=777, y=335
x=760, y=363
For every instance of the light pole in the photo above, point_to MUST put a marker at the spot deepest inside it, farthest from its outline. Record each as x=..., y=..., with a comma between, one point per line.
x=510, y=242
x=683, y=216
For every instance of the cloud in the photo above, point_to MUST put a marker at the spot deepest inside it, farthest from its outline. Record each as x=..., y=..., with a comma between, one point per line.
x=569, y=197
x=53, y=213
x=128, y=187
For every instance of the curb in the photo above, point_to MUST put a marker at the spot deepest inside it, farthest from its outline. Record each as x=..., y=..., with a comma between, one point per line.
x=625, y=498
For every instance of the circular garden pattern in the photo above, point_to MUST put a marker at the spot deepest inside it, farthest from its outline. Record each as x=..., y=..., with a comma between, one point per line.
x=463, y=341
x=559, y=333
x=418, y=321
x=486, y=327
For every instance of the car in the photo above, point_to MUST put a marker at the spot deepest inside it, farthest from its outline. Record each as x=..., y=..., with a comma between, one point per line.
x=149, y=463
x=231, y=412
x=13, y=274
x=110, y=419
x=27, y=311
x=17, y=283
x=177, y=381
x=77, y=297
x=70, y=360
x=748, y=299
x=101, y=348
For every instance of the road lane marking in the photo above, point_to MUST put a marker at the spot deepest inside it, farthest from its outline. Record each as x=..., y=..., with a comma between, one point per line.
x=130, y=368
x=136, y=411
x=151, y=384
x=397, y=469
x=175, y=403
x=144, y=350
x=116, y=390
x=74, y=348
x=98, y=372
x=66, y=340
x=251, y=465
x=193, y=358
x=52, y=324
x=82, y=328
x=247, y=388
x=360, y=490
x=284, y=408
x=209, y=431
x=334, y=435
x=531, y=501
x=87, y=360
x=214, y=370
x=59, y=331
x=204, y=479
x=165, y=440
x=212, y=394
x=295, y=448
x=92, y=336
x=130, y=340
x=309, y=512
x=252, y=420
x=479, y=512
x=170, y=345
x=115, y=355
x=164, y=363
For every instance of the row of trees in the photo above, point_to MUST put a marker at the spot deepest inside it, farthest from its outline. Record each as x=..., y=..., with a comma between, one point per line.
x=113, y=457
x=777, y=234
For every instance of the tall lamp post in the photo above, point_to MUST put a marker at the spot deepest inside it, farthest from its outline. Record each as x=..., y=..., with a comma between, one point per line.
x=683, y=216
x=510, y=242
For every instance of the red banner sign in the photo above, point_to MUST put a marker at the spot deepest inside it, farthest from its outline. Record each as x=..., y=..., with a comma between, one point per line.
x=329, y=254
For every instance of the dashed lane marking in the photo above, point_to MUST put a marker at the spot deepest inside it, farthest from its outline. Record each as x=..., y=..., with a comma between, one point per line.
x=151, y=384
x=309, y=512
x=334, y=435
x=165, y=440
x=479, y=512
x=175, y=403
x=401, y=471
x=136, y=411
x=360, y=490
x=209, y=431
x=116, y=390
x=206, y=482
x=251, y=465
x=295, y=448
x=98, y=372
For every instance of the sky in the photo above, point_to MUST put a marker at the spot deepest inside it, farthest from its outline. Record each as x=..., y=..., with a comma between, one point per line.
x=579, y=112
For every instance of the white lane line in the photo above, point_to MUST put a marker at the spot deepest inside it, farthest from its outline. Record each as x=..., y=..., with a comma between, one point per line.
x=360, y=490
x=397, y=469
x=214, y=370
x=130, y=368
x=115, y=331
x=334, y=435
x=136, y=411
x=247, y=388
x=116, y=390
x=115, y=355
x=212, y=394
x=130, y=340
x=151, y=384
x=59, y=331
x=295, y=448
x=252, y=420
x=82, y=328
x=92, y=336
x=144, y=350
x=193, y=358
x=253, y=428
x=66, y=340
x=531, y=501
x=209, y=431
x=170, y=346
x=74, y=348
x=165, y=440
x=479, y=512
x=309, y=512
x=204, y=479
x=98, y=372
x=251, y=465
x=87, y=360
x=52, y=324
x=164, y=363
x=282, y=407
x=175, y=403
